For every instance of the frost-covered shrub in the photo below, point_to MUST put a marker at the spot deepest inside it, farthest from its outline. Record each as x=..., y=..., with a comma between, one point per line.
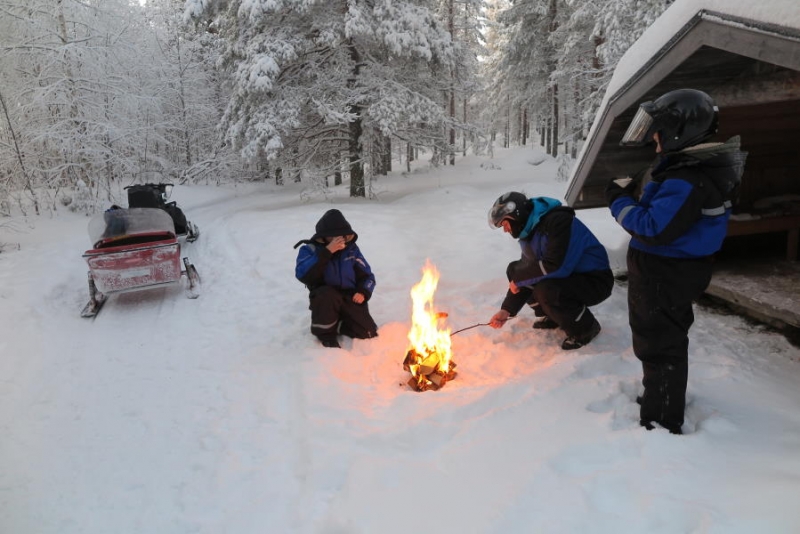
x=82, y=199
x=565, y=162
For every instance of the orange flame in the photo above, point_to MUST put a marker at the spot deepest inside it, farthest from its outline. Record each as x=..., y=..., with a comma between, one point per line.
x=431, y=344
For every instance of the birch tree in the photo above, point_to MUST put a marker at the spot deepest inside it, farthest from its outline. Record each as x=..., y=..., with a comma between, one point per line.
x=99, y=94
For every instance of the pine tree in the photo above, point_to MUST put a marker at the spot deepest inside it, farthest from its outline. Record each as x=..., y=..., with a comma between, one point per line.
x=314, y=79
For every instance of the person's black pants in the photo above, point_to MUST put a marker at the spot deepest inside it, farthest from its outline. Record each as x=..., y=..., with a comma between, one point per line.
x=660, y=295
x=329, y=306
x=566, y=300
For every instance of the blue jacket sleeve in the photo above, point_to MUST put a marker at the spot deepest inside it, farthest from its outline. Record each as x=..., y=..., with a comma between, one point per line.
x=310, y=265
x=665, y=211
x=365, y=279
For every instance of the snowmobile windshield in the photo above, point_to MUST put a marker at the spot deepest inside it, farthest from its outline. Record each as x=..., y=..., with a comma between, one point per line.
x=126, y=222
x=636, y=135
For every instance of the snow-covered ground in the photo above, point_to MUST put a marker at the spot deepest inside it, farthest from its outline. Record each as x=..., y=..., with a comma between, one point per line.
x=224, y=415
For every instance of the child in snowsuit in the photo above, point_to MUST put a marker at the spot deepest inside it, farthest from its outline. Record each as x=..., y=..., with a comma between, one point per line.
x=676, y=226
x=339, y=280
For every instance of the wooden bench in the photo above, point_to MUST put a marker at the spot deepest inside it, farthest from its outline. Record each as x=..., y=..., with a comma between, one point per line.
x=785, y=223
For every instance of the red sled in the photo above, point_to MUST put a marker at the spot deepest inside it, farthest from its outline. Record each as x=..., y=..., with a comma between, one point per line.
x=134, y=249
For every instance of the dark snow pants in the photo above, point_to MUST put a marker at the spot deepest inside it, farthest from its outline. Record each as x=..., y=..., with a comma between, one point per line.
x=660, y=295
x=330, y=306
x=566, y=300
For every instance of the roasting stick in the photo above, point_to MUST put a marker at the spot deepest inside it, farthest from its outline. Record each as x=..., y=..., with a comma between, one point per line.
x=444, y=315
x=467, y=328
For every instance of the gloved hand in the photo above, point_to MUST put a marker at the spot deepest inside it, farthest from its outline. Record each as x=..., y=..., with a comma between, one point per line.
x=619, y=187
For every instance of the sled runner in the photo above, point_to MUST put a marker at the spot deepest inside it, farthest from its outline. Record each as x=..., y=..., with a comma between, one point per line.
x=134, y=249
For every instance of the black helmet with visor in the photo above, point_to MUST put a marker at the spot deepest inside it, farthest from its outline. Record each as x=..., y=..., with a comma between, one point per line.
x=513, y=207
x=682, y=118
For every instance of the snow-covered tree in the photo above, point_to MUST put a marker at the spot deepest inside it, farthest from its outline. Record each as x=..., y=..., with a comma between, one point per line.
x=187, y=94
x=101, y=93
x=557, y=59
x=313, y=79
x=63, y=60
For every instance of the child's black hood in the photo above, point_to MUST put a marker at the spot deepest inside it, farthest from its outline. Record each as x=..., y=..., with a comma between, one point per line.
x=332, y=224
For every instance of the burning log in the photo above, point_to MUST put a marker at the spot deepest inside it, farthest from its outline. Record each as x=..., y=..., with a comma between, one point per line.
x=426, y=372
x=429, y=360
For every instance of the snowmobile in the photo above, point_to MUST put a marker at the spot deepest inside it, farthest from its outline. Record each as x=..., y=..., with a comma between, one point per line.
x=134, y=249
x=157, y=196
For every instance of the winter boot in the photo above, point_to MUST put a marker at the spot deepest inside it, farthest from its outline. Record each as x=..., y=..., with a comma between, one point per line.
x=664, y=397
x=545, y=323
x=578, y=341
x=330, y=342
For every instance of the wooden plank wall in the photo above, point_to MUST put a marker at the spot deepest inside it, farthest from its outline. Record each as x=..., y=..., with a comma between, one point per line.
x=771, y=135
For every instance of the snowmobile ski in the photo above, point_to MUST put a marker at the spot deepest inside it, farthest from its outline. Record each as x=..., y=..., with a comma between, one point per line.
x=92, y=307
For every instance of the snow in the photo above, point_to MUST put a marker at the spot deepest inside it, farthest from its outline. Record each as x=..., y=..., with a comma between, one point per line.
x=223, y=414
x=785, y=13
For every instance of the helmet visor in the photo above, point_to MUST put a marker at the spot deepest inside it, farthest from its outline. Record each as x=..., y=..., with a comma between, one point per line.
x=501, y=211
x=637, y=131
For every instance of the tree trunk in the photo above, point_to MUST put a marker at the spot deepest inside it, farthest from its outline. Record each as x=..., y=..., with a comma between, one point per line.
x=80, y=163
x=451, y=28
x=20, y=157
x=182, y=99
x=524, y=126
x=549, y=136
x=507, y=133
x=552, y=13
x=296, y=172
x=578, y=127
x=387, y=155
x=554, y=153
x=375, y=152
x=355, y=130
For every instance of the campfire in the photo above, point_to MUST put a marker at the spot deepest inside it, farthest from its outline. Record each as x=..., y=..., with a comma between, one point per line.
x=429, y=359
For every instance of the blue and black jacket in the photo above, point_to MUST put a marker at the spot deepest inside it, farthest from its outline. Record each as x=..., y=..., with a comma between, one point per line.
x=346, y=270
x=684, y=210
x=555, y=244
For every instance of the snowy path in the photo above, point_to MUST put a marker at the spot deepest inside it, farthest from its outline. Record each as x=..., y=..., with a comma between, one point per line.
x=221, y=414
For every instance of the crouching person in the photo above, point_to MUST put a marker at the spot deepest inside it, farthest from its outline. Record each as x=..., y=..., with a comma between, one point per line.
x=563, y=269
x=339, y=280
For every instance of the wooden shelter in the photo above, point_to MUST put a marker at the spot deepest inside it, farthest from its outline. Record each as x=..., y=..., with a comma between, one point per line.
x=751, y=67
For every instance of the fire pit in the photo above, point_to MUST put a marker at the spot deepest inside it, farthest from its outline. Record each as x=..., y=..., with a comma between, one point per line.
x=429, y=359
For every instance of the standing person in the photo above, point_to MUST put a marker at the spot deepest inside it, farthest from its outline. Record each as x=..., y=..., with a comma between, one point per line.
x=563, y=270
x=680, y=220
x=339, y=280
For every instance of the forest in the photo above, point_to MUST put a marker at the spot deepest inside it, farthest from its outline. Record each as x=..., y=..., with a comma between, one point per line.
x=99, y=94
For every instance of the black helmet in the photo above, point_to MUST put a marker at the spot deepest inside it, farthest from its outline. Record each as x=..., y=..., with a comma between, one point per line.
x=682, y=118
x=513, y=207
